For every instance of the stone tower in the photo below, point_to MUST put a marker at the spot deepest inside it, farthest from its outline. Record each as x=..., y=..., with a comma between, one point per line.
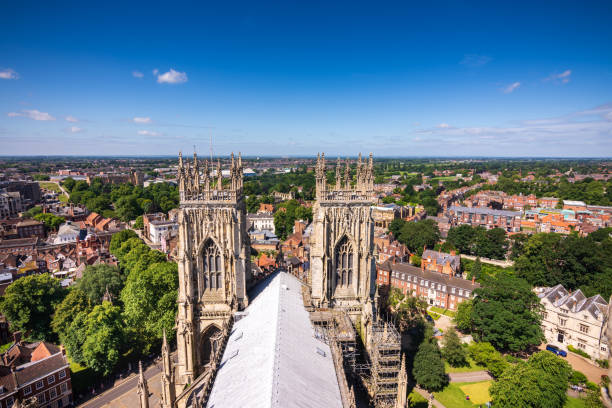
x=143, y=389
x=342, y=242
x=213, y=261
x=168, y=390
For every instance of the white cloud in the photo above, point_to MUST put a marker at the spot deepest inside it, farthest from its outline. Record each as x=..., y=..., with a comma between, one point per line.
x=72, y=119
x=443, y=126
x=155, y=71
x=172, y=77
x=142, y=120
x=32, y=114
x=8, y=74
x=510, y=88
x=563, y=77
x=147, y=133
x=137, y=74
x=75, y=129
x=475, y=60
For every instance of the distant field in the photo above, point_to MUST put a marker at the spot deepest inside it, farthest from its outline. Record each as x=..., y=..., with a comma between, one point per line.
x=444, y=178
x=50, y=186
x=55, y=188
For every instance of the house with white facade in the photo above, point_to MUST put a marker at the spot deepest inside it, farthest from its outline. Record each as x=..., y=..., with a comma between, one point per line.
x=570, y=318
x=159, y=229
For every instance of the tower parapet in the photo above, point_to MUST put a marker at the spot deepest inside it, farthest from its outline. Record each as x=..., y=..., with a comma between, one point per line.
x=362, y=190
x=196, y=184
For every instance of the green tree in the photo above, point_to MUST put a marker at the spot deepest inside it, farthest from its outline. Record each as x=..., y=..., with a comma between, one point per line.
x=476, y=271
x=51, y=221
x=105, y=338
x=462, y=237
x=149, y=299
x=75, y=302
x=138, y=224
x=524, y=385
x=484, y=354
x=559, y=370
x=428, y=368
x=119, y=238
x=96, y=279
x=506, y=313
x=453, y=351
x=463, y=318
x=28, y=304
x=420, y=234
x=75, y=336
x=395, y=226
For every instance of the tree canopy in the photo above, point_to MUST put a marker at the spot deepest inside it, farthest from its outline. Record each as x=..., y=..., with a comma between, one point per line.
x=542, y=381
x=97, y=279
x=505, y=313
x=29, y=302
x=575, y=262
x=420, y=234
x=479, y=241
x=428, y=368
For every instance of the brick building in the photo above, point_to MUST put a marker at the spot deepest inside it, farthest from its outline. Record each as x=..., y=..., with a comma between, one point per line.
x=35, y=370
x=30, y=228
x=510, y=221
x=437, y=289
x=441, y=262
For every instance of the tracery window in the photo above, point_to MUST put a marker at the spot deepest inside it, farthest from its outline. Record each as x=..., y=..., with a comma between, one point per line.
x=213, y=271
x=344, y=263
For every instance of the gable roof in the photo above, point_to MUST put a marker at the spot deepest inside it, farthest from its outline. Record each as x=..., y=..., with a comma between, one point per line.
x=273, y=351
x=575, y=302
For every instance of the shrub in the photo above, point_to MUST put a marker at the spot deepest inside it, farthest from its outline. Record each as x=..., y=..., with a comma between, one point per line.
x=592, y=386
x=577, y=377
x=578, y=351
x=512, y=359
x=603, y=363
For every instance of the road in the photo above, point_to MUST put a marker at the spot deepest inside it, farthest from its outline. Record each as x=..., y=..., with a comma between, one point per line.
x=474, y=376
x=126, y=386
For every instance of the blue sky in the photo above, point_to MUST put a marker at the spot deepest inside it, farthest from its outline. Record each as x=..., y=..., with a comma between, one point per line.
x=294, y=78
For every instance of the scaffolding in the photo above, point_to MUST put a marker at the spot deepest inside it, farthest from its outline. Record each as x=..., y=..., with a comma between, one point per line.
x=384, y=350
x=378, y=370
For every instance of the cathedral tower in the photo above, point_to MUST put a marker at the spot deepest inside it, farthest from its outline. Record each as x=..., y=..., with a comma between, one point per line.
x=213, y=261
x=342, y=252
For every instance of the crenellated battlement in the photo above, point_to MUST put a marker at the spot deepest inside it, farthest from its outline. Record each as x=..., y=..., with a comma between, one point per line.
x=344, y=190
x=196, y=184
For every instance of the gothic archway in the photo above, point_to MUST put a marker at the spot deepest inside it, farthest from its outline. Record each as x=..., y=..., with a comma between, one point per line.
x=344, y=255
x=212, y=266
x=209, y=341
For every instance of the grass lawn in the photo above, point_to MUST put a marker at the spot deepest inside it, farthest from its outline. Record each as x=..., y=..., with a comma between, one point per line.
x=5, y=347
x=446, y=312
x=574, y=403
x=478, y=392
x=468, y=369
x=49, y=186
x=454, y=396
x=434, y=315
x=416, y=400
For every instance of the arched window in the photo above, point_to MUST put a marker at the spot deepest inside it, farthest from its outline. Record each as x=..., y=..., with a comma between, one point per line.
x=344, y=263
x=211, y=266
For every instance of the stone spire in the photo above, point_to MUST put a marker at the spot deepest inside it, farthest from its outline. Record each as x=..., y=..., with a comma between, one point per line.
x=402, y=385
x=347, y=176
x=219, y=176
x=107, y=297
x=167, y=377
x=143, y=389
x=206, y=175
x=196, y=174
x=338, y=176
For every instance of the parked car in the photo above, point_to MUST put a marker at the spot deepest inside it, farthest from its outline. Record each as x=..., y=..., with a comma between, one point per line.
x=556, y=350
